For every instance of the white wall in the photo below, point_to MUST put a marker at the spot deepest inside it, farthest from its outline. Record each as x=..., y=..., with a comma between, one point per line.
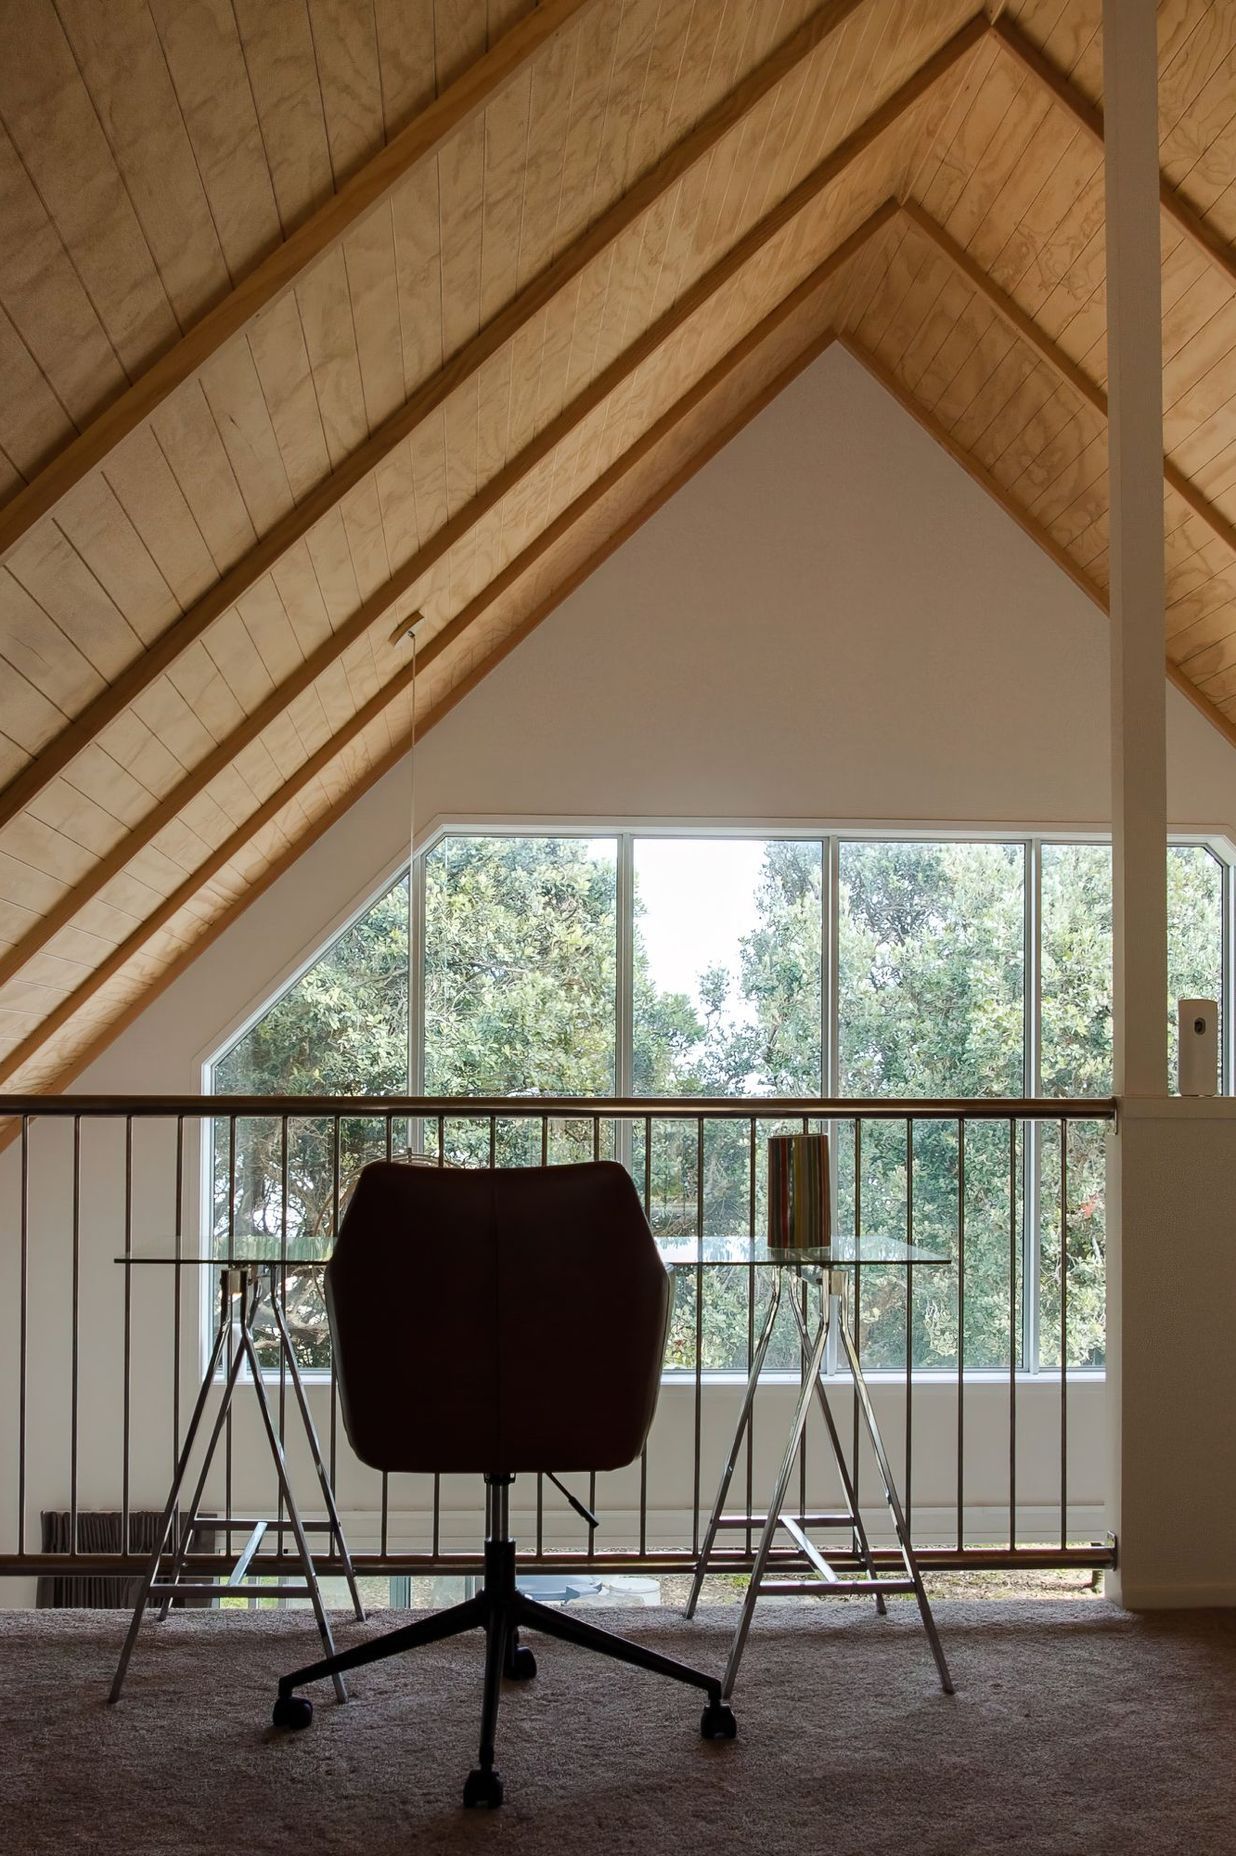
x=1172, y=1299
x=831, y=624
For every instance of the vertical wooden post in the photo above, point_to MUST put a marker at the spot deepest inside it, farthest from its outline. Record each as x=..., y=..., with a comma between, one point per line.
x=1135, y=441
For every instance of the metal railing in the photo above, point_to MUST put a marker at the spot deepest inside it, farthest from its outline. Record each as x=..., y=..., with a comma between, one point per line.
x=977, y=1372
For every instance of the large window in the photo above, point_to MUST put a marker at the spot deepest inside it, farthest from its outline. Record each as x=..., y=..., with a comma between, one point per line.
x=733, y=965
x=519, y=963
x=341, y=1028
x=726, y=967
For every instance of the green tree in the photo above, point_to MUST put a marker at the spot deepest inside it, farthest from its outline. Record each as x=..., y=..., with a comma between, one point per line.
x=341, y=1029
x=520, y=977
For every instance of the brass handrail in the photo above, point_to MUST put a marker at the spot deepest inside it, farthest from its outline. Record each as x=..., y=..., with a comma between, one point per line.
x=658, y=1108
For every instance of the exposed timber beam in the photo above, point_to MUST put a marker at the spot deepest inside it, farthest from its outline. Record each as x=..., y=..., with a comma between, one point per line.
x=1065, y=369
x=373, y=609
x=504, y=326
x=68, y=1008
x=276, y=273
x=1026, y=522
x=128, y=950
x=1185, y=217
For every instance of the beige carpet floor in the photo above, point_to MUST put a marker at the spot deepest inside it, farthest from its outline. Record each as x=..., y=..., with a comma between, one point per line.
x=1075, y=1729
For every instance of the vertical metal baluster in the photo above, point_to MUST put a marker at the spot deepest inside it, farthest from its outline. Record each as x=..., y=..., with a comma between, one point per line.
x=23, y=1335
x=386, y=1492
x=699, y=1339
x=858, y=1295
x=231, y=1251
x=437, y=1480
x=596, y=1155
x=540, y=1478
x=75, y=1330
x=493, y=1141
x=961, y=1330
x=803, y=1303
x=748, y=1445
x=283, y=1303
x=643, y=1501
x=643, y=1455
x=1012, y=1334
x=334, y=1375
x=1064, y=1335
x=127, y=1407
x=177, y=1274
x=909, y=1495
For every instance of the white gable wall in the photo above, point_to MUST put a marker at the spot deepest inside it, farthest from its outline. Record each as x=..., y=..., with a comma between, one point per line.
x=830, y=624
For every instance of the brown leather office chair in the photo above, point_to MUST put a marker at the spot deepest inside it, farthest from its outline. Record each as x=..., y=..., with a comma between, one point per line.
x=498, y=1321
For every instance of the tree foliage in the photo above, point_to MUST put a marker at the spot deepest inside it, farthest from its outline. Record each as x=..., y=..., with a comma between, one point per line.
x=520, y=971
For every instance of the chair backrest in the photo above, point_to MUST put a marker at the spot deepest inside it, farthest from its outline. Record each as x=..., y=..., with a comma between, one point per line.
x=497, y=1320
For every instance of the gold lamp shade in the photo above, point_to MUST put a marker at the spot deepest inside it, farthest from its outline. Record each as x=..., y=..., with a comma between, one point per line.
x=799, y=1198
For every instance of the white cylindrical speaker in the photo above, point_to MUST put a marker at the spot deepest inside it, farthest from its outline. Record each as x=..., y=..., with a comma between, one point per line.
x=1197, y=1067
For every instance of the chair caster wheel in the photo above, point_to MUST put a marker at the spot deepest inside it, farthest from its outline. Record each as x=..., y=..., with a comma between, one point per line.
x=717, y=1722
x=520, y=1664
x=483, y=1788
x=292, y=1712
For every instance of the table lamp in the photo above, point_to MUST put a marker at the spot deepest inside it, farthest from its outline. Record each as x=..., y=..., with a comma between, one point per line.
x=799, y=1197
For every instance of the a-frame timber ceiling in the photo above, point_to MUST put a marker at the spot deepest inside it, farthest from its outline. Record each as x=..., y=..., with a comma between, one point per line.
x=318, y=313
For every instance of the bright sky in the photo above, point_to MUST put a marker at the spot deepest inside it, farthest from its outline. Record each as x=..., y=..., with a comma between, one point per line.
x=699, y=901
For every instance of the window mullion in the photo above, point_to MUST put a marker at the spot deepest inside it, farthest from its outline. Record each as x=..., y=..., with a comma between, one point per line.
x=830, y=1030
x=416, y=995
x=830, y=1034
x=1227, y=1069
x=1032, y=1142
x=624, y=987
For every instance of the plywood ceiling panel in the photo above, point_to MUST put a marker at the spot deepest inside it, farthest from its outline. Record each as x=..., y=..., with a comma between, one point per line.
x=319, y=394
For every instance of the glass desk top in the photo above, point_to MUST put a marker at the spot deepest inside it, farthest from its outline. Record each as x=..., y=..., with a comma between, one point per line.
x=844, y=1252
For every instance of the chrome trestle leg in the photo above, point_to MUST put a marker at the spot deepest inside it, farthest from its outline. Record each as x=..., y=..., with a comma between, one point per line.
x=315, y=1450
x=191, y=1513
x=744, y=1419
x=240, y=1297
x=843, y=1468
x=285, y=1486
x=773, y=1517
x=812, y=1387
x=894, y=1506
x=182, y=1467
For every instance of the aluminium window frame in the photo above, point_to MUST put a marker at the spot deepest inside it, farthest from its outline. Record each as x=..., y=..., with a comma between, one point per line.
x=830, y=838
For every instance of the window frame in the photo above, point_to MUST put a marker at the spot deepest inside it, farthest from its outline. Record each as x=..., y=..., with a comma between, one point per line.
x=830, y=839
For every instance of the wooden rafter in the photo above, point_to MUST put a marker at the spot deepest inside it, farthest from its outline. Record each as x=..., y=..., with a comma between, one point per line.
x=476, y=85
x=68, y=1008
x=515, y=315
x=388, y=761
x=809, y=189
x=109, y=866
x=1061, y=365
x=296, y=523
x=1090, y=118
x=418, y=142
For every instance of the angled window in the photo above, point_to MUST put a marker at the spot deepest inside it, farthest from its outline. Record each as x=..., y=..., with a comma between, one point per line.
x=339, y=1029
x=735, y=965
